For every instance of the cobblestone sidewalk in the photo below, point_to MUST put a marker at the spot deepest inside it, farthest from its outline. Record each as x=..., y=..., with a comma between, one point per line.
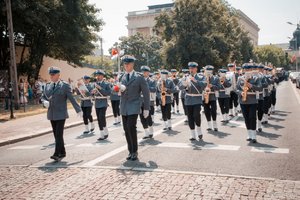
x=97, y=183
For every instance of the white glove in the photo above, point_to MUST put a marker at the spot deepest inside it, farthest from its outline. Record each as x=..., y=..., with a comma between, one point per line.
x=80, y=114
x=122, y=88
x=146, y=113
x=46, y=104
x=184, y=83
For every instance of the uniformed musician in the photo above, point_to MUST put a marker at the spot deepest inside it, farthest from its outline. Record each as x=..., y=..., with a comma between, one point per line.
x=115, y=98
x=55, y=96
x=247, y=86
x=233, y=76
x=132, y=85
x=101, y=92
x=182, y=94
x=84, y=88
x=224, y=95
x=209, y=97
x=194, y=84
x=148, y=122
x=165, y=88
x=175, y=102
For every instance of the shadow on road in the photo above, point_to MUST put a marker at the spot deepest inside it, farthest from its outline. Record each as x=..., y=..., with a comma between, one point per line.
x=82, y=136
x=53, y=166
x=151, y=142
x=219, y=134
x=271, y=136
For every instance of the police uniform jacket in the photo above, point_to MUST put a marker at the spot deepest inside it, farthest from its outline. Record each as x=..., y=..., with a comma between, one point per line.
x=170, y=89
x=105, y=91
x=57, y=98
x=193, y=94
x=224, y=91
x=251, y=95
x=131, y=97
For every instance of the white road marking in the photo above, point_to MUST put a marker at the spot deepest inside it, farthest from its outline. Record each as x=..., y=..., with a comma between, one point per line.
x=269, y=150
x=204, y=147
x=25, y=147
x=122, y=148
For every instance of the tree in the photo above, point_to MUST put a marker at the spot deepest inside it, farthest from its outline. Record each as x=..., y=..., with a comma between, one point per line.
x=205, y=31
x=59, y=29
x=145, y=49
x=272, y=54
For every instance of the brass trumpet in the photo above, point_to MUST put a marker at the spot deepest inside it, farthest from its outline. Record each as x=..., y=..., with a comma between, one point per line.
x=245, y=91
x=163, y=92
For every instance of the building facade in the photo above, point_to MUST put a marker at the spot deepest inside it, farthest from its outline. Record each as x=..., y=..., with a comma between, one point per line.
x=143, y=21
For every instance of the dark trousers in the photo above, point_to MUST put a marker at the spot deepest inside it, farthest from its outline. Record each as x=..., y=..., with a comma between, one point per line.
x=157, y=101
x=115, y=104
x=175, y=99
x=224, y=105
x=267, y=104
x=129, y=126
x=210, y=110
x=233, y=100
x=273, y=97
x=58, y=131
x=166, y=111
x=101, y=117
x=260, y=109
x=249, y=113
x=146, y=122
x=183, y=105
x=194, y=116
x=87, y=115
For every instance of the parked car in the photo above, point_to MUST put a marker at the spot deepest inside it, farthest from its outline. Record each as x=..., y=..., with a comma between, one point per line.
x=297, y=81
x=293, y=76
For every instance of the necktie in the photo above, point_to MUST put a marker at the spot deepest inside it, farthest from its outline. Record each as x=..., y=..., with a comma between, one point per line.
x=128, y=76
x=54, y=84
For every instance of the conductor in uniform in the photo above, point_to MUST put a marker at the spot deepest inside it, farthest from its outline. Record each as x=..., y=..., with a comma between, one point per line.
x=55, y=96
x=132, y=85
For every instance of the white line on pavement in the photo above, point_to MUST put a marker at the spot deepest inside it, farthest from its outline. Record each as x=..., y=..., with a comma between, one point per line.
x=269, y=150
x=206, y=147
x=122, y=148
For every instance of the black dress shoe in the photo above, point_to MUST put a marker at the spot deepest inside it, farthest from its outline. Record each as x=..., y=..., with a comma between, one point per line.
x=134, y=156
x=209, y=129
x=85, y=132
x=128, y=157
x=56, y=158
x=254, y=141
x=165, y=128
x=249, y=139
x=192, y=139
x=151, y=136
x=215, y=129
x=92, y=129
x=259, y=130
x=169, y=128
x=200, y=137
x=105, y=136
x=146, y=137
x=100, y=139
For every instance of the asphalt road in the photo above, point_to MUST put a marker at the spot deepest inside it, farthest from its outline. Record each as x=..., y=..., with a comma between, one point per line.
x=276, y=155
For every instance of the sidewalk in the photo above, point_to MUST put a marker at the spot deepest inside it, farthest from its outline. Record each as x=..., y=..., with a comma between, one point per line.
x=32, y=126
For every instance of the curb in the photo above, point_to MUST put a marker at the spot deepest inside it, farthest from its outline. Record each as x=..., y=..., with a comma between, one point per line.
x=26, y=137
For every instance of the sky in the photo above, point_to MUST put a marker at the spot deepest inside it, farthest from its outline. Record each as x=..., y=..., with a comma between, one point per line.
x=270, y=15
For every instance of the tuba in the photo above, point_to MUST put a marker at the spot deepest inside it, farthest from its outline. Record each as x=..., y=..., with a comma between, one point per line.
x=163, y=92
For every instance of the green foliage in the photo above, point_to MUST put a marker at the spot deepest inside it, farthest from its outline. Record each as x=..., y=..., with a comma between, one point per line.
x=107, y=65
x=205, y=31
x=142, y=47
x=271, y=54
x=61, y=29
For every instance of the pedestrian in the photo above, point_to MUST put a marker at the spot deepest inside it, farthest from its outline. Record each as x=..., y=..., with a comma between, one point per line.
x=132, y=85
x=55, y=97
x=247, y=86
x=84, y=88
x=194, y=85
x=101, y=91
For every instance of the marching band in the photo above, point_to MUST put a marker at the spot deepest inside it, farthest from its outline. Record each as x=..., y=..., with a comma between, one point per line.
x=250, y=89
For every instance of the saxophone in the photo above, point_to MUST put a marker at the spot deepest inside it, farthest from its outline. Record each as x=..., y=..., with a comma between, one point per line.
x=163, y=92
x=245, y=91
x=207, y=91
